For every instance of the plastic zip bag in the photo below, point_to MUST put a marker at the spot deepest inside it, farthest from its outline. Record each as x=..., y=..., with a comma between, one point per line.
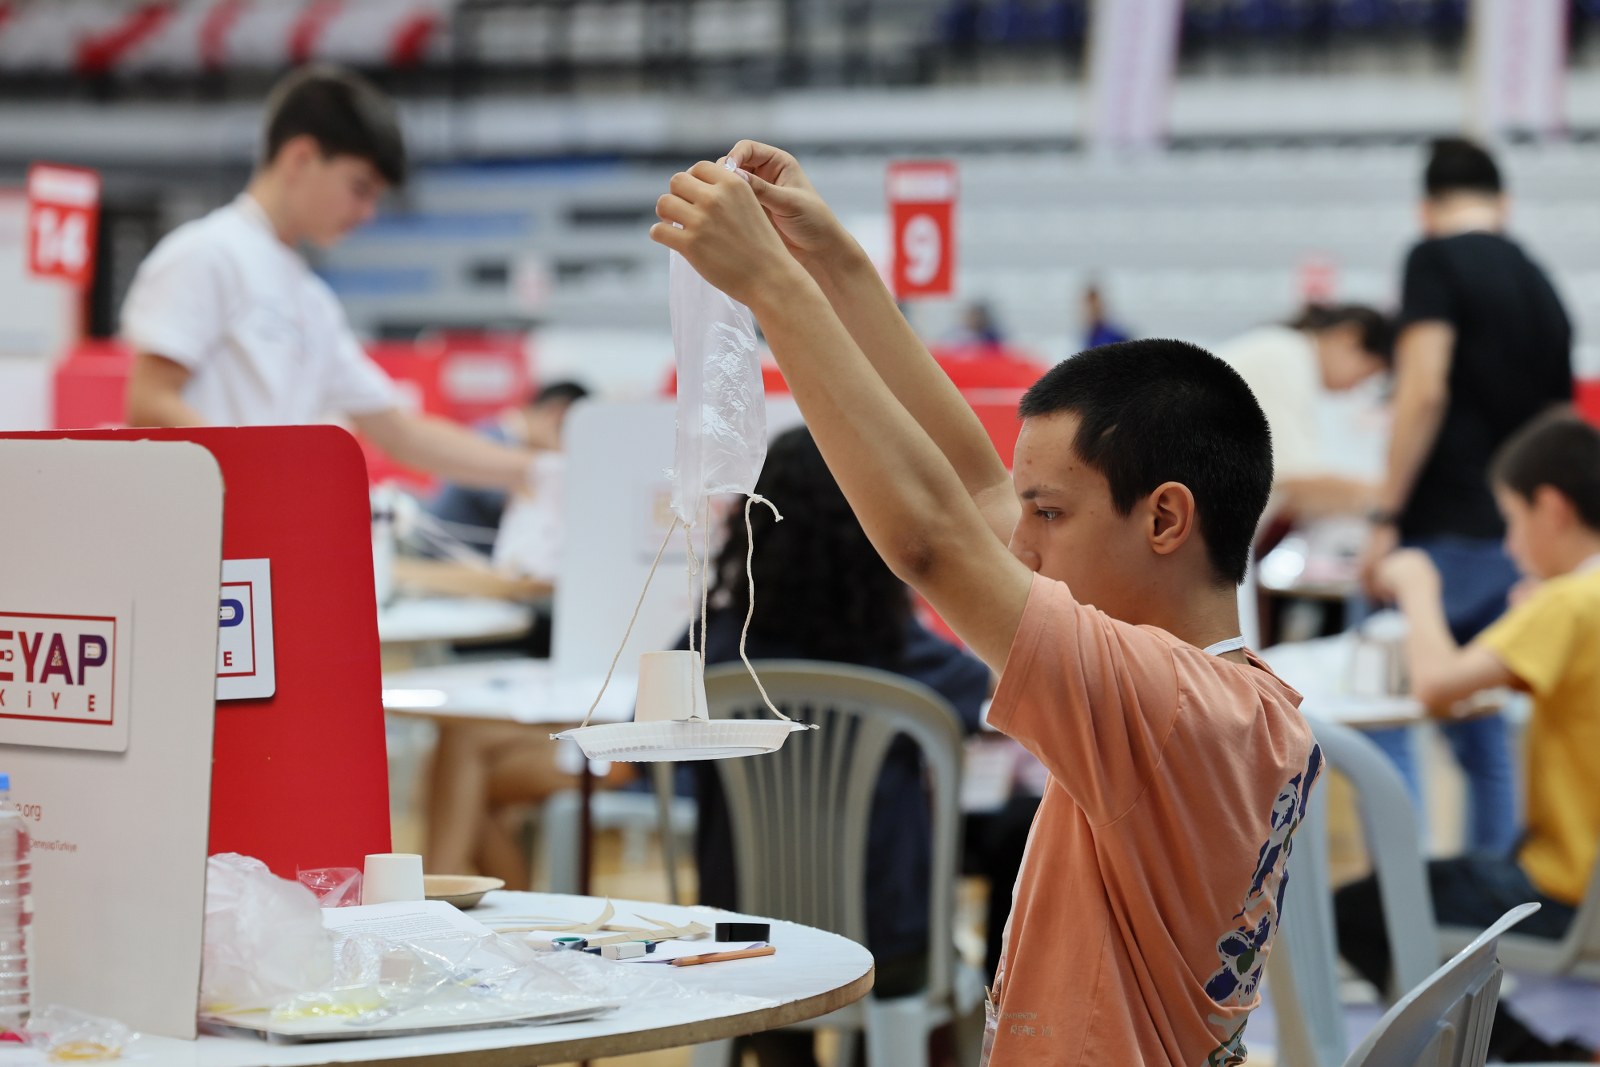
x=722, y=412
x=264, y=937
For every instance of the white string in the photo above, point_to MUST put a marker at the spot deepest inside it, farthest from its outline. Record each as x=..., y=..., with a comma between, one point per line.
x=665, y=541
x=705, y=581
x=750, y=612
x=689, y=572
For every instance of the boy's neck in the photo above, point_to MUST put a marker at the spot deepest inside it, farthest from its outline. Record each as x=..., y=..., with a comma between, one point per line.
x=266, y=191
x=1467, y=214
x=1578, y=549
x=1207, y=615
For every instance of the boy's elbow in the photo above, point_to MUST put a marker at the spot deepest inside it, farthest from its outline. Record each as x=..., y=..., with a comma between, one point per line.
x=1426, y=695
x=145, y=409
x=1434, y=693
x=914, y=559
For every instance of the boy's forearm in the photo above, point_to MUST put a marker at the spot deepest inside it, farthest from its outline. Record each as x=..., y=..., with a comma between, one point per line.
x=1430, y=647
x=446, y=450
x=856, y=292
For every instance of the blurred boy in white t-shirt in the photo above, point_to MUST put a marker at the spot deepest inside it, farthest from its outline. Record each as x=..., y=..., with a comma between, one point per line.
x=230, y=326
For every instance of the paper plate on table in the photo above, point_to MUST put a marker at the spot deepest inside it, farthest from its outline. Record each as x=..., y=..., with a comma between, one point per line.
x=462, y=890
x=675, y=740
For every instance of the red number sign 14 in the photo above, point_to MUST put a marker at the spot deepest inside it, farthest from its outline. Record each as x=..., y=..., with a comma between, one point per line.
x=63, y=217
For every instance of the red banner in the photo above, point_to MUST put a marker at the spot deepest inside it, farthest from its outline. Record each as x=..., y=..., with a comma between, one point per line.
x=922, y=213
x=63, y=216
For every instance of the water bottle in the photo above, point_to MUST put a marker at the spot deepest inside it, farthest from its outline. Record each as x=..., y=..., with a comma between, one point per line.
x=16, y=911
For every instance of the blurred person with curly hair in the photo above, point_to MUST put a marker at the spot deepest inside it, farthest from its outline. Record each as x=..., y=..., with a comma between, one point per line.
x=825, y=594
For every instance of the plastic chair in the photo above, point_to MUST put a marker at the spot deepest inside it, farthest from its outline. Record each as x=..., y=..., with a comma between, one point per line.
x=1445, y=1021
x=800, y=816
x=1302, y=969
x=1576, y=954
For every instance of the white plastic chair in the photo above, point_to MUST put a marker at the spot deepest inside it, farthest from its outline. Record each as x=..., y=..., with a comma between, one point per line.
x=1576, y=954
x=800, y=816
x=1302, y=968
x=1445, y=1021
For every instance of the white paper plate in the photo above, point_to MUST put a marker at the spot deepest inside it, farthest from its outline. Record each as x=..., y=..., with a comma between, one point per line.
x=669, y=742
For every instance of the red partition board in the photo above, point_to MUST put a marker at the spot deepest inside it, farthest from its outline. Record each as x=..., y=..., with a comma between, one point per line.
x=299, y=780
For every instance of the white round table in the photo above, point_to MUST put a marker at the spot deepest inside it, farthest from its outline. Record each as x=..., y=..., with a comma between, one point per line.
x=505, y=691
x=812, y=973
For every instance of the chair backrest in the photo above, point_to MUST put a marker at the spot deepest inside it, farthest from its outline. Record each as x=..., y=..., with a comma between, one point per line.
x=1445, y=1021
x=799, y=816
x=1301, y=970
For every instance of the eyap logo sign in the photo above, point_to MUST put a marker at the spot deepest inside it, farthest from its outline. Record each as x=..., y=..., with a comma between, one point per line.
x=58, y=668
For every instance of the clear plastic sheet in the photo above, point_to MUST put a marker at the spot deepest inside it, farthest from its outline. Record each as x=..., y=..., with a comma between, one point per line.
x=449, y=979
x=271, y=965
x=458, y=980
x=722, y=414
x=632, y=983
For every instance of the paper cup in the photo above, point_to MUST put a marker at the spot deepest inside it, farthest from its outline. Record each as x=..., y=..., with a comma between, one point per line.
x=392, y=876
x=672, y=687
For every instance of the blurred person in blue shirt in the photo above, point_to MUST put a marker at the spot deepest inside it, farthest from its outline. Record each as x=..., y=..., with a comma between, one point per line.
x=1098, y=329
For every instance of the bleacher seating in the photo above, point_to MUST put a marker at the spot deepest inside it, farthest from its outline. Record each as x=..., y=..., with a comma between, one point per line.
x=1198, y=244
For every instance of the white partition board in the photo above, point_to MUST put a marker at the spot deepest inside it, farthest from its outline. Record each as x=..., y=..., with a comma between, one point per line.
x=617, y=512
x=130, y=530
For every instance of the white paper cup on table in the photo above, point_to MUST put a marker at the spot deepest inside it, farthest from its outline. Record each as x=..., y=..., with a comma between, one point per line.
x=392, y=876
x=672, y=687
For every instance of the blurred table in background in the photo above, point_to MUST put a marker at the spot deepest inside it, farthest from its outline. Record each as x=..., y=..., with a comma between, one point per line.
x=421, y=630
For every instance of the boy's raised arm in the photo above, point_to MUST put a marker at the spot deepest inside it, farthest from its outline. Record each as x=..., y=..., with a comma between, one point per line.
x=850, y=281
x=906, y=493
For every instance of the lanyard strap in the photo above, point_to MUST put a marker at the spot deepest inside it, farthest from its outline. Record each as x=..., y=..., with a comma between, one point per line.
x=1222, y=648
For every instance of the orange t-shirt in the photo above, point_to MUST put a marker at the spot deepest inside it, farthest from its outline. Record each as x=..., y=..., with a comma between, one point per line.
x=1154, y=873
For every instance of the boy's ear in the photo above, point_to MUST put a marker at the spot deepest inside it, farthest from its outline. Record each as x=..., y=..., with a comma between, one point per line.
x=1553, y=503
x=295, y=153
x=1173, y=518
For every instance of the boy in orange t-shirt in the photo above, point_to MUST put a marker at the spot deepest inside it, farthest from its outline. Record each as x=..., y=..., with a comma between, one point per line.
x=1179, y=765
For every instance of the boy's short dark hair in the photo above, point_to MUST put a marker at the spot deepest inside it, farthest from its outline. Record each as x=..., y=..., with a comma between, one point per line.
x=1457, y=165
x=563, y=392
x=343, y=112
x=1558, y=449
x=1377, y=330
x=1155, y=411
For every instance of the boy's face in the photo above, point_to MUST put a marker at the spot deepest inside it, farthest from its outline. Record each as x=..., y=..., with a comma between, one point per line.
x=1070, y=529
x=333, y=195
x=1532, y=527
x=1344, y=363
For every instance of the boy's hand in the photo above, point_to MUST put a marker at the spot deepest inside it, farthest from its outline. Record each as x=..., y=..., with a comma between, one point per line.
x=723, y=233
x=806, y=223
x=1381, y=544
x=1408, y=572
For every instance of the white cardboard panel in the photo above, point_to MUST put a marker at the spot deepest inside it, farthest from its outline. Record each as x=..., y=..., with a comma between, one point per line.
x=617, y=511
x=120, y=837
